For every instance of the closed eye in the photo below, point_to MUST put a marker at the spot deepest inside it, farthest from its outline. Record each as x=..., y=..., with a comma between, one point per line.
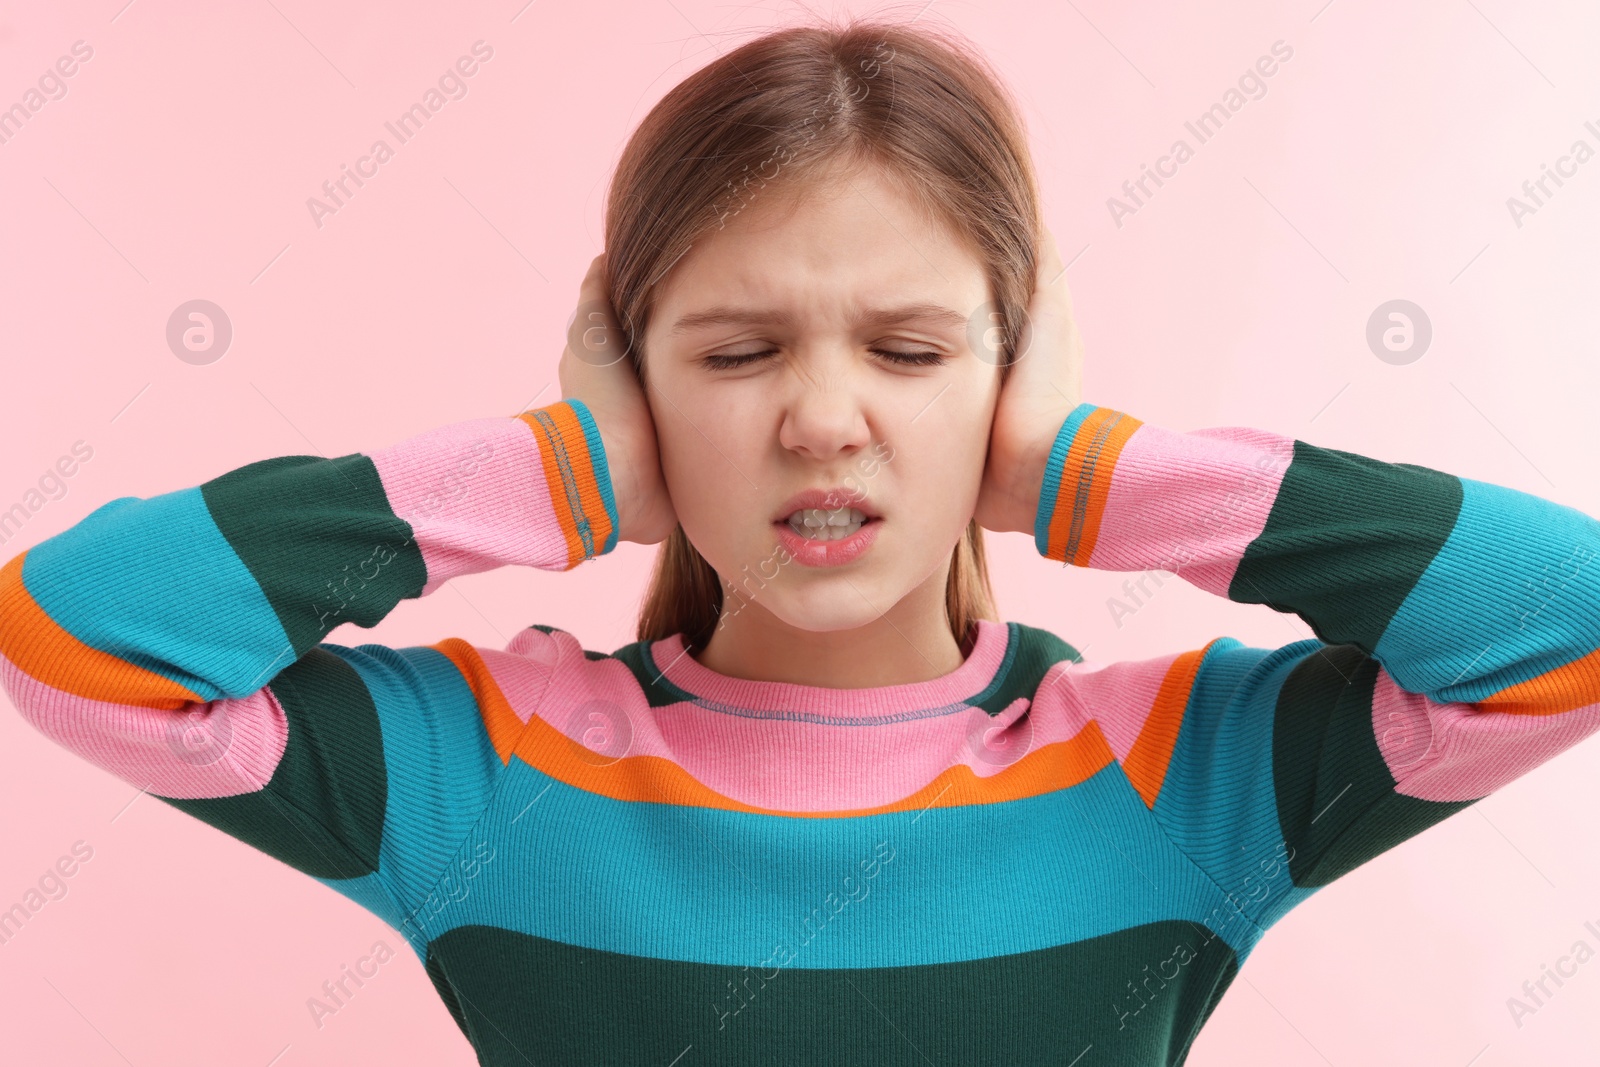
x=905, y=359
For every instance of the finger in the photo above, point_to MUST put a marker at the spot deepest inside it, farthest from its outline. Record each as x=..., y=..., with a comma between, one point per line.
x=1052, y=284
x=594, y=279
x=1049, y=259
x=593, y=337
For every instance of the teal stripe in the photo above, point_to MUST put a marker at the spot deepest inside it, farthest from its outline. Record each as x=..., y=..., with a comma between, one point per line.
x=1217, y=801
x=569, y=484
x=1052, y=474
x=440, y=763
x=157, y=575
x=965, y=882
x=602, y=472
x=1510, y=595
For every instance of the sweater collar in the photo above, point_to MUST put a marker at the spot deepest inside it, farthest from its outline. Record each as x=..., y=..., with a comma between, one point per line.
x=678, y=676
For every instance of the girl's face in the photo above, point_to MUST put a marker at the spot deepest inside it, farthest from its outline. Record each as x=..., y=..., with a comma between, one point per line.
x=822, y=293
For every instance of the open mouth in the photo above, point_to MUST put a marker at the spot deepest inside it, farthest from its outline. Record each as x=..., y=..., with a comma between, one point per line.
x=819, y=524
x=827, y=526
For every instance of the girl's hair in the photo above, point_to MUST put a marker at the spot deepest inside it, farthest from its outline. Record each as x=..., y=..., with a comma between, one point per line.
x=801, y=102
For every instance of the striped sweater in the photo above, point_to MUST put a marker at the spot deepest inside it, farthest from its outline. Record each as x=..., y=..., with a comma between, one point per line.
x=626, y=857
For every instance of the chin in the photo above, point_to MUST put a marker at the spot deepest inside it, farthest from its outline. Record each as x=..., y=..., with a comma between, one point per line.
x=828, y=607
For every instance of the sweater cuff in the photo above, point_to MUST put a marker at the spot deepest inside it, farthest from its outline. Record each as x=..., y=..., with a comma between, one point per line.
x=579, y=478
x=1077, y=481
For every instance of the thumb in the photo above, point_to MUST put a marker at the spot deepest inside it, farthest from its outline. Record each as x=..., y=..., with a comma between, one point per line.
x=1050, y=357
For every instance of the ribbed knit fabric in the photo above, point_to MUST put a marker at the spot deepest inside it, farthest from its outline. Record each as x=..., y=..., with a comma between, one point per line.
x=625, y=857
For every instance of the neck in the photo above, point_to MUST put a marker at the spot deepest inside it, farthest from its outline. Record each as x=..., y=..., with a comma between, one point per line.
x=910, y=642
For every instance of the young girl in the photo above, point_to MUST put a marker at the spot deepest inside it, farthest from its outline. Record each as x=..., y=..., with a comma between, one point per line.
x=827, y=808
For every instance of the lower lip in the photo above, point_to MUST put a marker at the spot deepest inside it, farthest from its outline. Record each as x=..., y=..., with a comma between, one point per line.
x=809, y=553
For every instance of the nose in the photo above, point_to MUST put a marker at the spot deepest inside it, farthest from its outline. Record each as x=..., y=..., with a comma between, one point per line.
x=824, y=413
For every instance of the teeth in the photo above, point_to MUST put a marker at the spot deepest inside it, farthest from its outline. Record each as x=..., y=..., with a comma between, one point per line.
x=819, y=524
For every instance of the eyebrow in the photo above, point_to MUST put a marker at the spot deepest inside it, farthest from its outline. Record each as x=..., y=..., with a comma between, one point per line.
x=932, y=314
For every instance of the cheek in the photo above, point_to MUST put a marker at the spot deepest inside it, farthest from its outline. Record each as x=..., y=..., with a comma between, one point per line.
x=936, y=478
x=943, y=450
x=710, y=461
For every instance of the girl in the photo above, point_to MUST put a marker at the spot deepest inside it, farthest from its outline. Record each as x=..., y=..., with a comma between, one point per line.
x=827, y=808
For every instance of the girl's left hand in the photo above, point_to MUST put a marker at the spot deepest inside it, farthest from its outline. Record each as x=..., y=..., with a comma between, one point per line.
x=1042, y=387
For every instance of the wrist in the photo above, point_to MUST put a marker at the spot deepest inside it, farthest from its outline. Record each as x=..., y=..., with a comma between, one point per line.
x=1076, y=480
x=579, y=473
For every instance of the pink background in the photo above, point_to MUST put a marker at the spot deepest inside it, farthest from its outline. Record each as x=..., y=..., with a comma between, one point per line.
x=177, y=166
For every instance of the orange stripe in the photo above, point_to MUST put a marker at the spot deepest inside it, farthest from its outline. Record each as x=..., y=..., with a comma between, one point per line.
x=499, y=720
x=44, y=651
x=583, y=469
x=1572, y=685
x=1095, y=447
x=655, y=779
x=1072, y=471
x=1146, y=764
x=553, y=481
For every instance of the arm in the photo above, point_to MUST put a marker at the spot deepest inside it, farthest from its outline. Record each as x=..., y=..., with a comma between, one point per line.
x=1458, y=624
x=175, y=641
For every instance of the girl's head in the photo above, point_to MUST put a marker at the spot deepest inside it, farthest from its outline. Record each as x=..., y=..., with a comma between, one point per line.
x=823, y=200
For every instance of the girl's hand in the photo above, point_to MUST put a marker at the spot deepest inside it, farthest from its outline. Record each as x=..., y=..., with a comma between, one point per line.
x=595, y=369
x=1043, y=386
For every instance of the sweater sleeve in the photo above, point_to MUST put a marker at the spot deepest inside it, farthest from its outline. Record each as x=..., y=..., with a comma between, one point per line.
x=1457, y=625
x=177, y=641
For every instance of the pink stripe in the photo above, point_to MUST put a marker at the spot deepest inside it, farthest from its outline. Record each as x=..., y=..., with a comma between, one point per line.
x=1189, y=503
x=1119, y=696
x=806, y=766
x=476, y=497
x=789, y=764
x=534, y=664
x=1456, y=752
x=221, y=749
x=964, y=682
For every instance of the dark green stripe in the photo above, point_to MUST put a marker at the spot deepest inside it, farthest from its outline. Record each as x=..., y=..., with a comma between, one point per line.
x=1030, y=652
x=1336, y=799
x=1346, y=540
x=658, y=691
x=322, y=812
x=522, y=999
x=320, y=538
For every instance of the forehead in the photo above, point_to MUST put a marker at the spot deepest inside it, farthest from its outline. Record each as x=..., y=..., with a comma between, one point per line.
x=855, y=240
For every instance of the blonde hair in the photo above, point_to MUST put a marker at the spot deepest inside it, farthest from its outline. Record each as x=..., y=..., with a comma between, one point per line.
x=914, y=101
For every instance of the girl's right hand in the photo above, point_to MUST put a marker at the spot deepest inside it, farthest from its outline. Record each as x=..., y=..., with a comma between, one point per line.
x=595, y=370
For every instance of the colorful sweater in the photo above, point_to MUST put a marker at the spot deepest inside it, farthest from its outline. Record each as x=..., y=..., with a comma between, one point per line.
x=625, y=857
